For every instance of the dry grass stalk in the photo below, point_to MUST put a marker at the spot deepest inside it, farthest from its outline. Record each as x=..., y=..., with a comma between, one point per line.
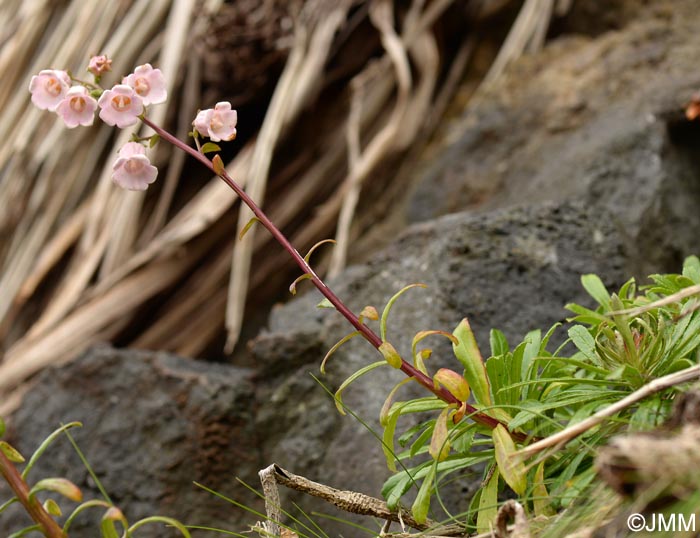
x=72, y=243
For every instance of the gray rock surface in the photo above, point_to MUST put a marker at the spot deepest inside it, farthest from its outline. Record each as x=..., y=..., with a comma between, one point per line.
x=152, y=424
x=587, y=119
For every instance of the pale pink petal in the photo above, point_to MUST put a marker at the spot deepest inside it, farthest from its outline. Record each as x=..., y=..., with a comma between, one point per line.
x=120, y=106
x=132, y=148
x=99, y=65
x=201, y=122
x=148, y=83
x=133, y=170
x=48, y=88
x=77, y=108
x=222, y=125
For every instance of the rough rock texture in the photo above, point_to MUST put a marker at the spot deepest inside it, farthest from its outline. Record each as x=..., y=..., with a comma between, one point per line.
x=152, y=424
x=587, y=119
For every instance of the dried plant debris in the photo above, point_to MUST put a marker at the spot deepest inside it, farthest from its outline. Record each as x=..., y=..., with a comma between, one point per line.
x=662, y=464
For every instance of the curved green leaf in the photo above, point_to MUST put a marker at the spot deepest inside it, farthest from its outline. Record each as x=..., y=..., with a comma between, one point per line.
x=293, y=285
x=467, y=352
x=387, y=308
x=510, y=465
x=390, y=354
x=488, y=505
x=422, y=503
x=313, y=248
x=596, y=289
x=439, y=442
x=247, y=227
x=62, y=486
x=11, y=453
x=353, y=377
x=45, y=444
x=335, y=348
x=164, y=520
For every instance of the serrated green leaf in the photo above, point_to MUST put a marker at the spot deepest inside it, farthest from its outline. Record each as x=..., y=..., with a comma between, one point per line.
x=422, y=503
x=210, y=147
x=349, y=380
x=11, y=453
x=510, y=465
x=467, y=352
x=596, y=289
x=488, y=505
x=390, y=355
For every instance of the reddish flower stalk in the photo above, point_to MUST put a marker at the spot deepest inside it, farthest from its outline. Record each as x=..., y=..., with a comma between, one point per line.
x=36, y=511
x=365, y=331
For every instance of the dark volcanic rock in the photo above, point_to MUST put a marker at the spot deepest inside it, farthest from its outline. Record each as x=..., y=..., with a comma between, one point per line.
x=152, y=424
x=591, y=120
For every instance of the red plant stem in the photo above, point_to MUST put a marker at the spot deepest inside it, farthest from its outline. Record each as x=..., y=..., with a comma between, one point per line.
x=365, y=331
x=36, y=511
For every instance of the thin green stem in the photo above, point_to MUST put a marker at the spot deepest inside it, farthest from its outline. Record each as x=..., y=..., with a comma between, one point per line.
x=369, y=335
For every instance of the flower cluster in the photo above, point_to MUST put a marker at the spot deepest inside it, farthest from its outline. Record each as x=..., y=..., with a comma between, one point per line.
x=218, y=123
x=122, y=105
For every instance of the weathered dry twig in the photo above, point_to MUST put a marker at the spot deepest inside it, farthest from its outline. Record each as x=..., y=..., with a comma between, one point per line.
x=349, y=501
x=657, y=385
x=674, y=298
x=512, y=510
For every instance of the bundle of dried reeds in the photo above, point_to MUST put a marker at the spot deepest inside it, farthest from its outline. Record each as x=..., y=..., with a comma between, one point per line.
x=361, y=83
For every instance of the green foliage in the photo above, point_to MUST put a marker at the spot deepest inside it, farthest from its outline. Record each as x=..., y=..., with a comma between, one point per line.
x=629, y=339
x=69, y=491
